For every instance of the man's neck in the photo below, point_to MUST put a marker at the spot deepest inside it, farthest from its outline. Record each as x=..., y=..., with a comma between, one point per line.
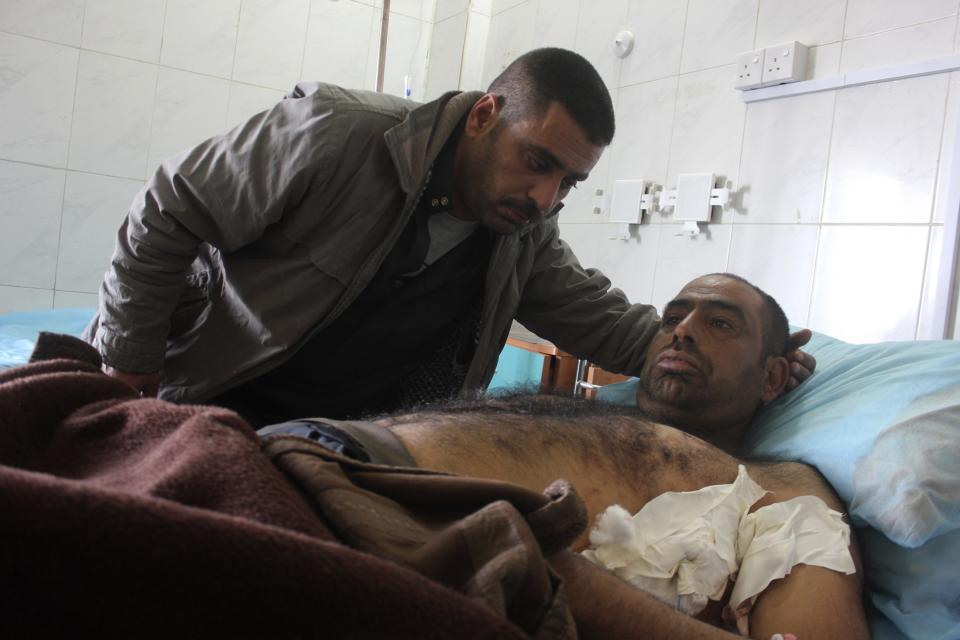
x=725, y=434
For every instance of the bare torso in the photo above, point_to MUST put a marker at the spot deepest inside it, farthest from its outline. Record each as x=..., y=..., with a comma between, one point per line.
x=623, y=459
x=634, y=462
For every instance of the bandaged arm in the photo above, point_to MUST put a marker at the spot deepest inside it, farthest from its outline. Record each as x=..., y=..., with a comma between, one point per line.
x=811, y=602
x=606, y=607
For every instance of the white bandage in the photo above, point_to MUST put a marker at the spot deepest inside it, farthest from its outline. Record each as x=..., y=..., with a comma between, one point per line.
x=775, y=538
x=683, y=547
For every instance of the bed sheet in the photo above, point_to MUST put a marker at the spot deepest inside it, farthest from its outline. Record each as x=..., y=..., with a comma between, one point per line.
x=18, y=331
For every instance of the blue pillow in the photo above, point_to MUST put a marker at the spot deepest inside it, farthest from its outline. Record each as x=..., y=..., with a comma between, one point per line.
x=18, y=331
x=882, y=423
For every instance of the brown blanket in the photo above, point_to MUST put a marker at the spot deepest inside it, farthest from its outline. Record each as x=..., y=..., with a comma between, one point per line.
x=134, y=517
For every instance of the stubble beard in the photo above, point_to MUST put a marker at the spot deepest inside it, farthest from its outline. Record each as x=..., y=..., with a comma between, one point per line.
x=674, y=390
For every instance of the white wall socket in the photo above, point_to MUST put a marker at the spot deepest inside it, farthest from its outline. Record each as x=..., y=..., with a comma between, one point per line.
x=749, y=70
x=784, y=63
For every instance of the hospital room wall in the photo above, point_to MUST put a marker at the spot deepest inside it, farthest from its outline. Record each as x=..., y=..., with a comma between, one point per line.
x=94, y=93
x=836, y=208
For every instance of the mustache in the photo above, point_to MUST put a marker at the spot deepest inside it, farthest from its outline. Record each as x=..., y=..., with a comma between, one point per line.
x=527, y=207
x=688, y=349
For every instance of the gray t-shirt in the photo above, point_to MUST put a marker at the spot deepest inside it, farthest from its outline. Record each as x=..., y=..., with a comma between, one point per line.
x=446, y=232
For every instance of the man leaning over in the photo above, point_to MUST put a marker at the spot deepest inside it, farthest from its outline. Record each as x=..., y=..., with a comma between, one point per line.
x=349, y=252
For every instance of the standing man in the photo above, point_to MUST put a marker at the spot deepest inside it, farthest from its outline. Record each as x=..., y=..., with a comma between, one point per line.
x=349, y=252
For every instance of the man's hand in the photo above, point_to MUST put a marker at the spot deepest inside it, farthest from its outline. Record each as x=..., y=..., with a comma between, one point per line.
x=802, y=363
x=146, y=384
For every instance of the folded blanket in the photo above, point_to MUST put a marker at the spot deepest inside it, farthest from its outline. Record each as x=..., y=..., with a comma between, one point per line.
x=135, y=517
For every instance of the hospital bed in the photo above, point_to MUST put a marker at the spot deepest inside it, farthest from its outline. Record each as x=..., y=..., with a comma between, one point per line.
x=881, y=422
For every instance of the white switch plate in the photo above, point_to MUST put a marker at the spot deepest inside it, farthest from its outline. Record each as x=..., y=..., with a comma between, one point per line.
x=784, y=63
x=693, y=197
x=749, y=70
x=627, y=198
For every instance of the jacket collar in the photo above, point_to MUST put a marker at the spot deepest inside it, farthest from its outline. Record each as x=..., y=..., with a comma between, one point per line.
x=416, y=142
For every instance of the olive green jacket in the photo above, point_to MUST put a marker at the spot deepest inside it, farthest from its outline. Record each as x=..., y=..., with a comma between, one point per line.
x=239, y=250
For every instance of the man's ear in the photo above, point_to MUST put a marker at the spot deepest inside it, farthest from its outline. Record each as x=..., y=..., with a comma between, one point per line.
x=776, y=375
x=483, y=115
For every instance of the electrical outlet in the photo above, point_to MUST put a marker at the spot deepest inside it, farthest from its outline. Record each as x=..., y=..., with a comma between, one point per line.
x=784, y=63
x=749, y=70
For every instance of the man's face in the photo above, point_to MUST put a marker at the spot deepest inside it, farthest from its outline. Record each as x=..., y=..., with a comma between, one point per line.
x=513, y=174
x=705, y=367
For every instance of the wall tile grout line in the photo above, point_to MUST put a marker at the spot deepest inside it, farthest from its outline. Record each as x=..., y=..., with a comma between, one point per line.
x=306, y=34
x=897, y=28
x=923, y=285
x=156, y=98
x=236, y=41
x=66, y=162
x=683, y=36
x=759, y=223
x=934, y=201
x=826, y=177
x=69, y=170
x=743, y=144
x=673, y=126
x=129, y=59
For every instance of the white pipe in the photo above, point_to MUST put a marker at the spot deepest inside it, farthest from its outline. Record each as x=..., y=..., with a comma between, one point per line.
x=384, y=28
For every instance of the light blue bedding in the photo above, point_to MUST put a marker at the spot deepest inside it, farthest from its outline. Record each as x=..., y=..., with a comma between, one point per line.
x=18, y=331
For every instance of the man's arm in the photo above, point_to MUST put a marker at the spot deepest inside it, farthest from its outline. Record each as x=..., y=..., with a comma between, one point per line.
x=811, y=602
x=607, y=608
x=580, y=311
x=224, y=192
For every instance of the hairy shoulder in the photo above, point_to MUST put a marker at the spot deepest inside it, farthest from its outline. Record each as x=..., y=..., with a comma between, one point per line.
x=787, y=480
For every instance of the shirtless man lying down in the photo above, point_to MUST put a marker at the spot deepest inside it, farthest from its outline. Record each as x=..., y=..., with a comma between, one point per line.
x=717, y=358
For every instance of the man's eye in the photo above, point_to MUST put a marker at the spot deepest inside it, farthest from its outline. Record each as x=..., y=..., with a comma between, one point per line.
x=720, y=323
x=670, y=321
x=535, y=163
x=568, y=184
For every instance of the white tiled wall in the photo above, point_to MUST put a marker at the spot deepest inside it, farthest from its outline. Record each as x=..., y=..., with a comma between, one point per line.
x=125, y=28
x=28, y=256
x=95, y=93
x=37, y=101
x=858, y=266
x=837, y=208
x=873, y=16
x=201, y=36
x=91, y=204
x=837, y=196
x=885, y=150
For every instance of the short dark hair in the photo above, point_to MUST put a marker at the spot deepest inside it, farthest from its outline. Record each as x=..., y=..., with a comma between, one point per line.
x=542, y=76
x=776, y=329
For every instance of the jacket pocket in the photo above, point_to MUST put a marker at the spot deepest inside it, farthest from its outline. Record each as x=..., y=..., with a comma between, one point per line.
x=192, y=307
